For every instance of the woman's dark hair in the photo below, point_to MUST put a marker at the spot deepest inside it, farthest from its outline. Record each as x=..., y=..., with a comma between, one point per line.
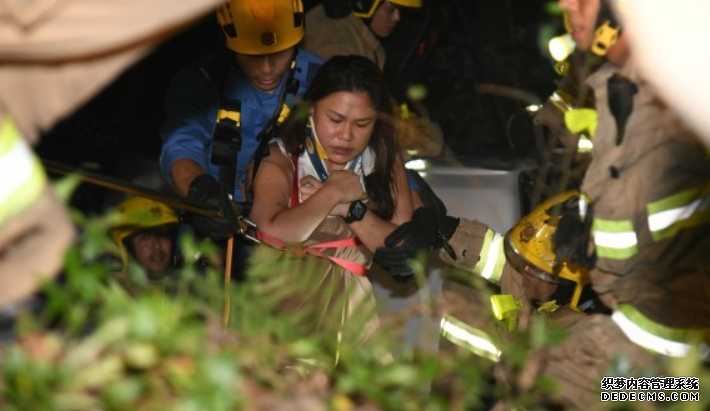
x=354, y=74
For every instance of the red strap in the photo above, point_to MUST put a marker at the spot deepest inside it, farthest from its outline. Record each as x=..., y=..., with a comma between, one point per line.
x=315, y=250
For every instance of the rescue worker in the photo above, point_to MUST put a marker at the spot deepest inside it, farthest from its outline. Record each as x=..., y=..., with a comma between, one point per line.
x=222, y=111
x=346, y=27
x=643, y=215
x=522, y=262
x=45, y=73
x=146, y=233
x=563, y=126
x=646, y=189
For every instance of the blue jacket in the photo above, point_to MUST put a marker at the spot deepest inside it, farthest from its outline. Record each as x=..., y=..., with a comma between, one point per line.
x=192, y=102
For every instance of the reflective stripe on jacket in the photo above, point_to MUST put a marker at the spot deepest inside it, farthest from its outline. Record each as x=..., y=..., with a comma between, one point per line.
x=22, y=176
x=647, y=191
x=655, y=337
x=479, y=250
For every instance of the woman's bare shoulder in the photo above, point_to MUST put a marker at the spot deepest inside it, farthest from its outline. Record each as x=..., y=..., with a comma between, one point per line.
x=278, y=158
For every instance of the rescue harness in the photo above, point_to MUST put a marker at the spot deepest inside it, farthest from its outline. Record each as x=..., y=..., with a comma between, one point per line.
x=226, y=144
x=316, y=155
x=227, y=136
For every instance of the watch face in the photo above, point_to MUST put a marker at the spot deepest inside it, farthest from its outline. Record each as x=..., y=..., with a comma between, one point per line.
x=356, y=212
x=359, y=210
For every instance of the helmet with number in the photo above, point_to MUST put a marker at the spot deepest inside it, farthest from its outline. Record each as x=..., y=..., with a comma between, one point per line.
x=366, y=8
x=261, y=26
x=138, y=213
x=530, y=249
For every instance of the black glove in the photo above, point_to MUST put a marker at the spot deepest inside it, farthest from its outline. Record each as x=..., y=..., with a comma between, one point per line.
x=396, y=262
x=421, y=233
x=446, y=225
x=447, y=228
x=206, y=190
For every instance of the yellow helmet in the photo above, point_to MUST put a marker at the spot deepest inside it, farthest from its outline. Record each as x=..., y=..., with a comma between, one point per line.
x=261, y=26
x=138, y=213
x=366, y=8
x=529, y=248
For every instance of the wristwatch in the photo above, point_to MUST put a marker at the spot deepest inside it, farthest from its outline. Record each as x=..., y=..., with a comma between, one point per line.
x=356, y=212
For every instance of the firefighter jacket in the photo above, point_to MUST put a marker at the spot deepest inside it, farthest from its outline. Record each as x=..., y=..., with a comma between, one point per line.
x=54, y=56
x=87, y=44
x=649, y=190
x=34, y=228
x=327, y=37
x=480, y=252
x=193, y=100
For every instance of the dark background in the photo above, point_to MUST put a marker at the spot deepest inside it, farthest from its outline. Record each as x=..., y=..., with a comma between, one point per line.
x=452, y=47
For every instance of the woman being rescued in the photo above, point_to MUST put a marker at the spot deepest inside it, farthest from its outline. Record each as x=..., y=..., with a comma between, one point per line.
x=334, y=178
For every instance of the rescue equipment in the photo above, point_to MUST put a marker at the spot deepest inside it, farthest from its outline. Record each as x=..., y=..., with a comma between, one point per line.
x=260, y=27
x=316, y=250
x=227, y=137
x=530, y=249
x=506, y=308
x=138, y=213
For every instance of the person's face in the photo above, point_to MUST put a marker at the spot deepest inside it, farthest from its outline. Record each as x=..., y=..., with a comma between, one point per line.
x=582, y=15
x=344, y=122
x=385, y=19
x=153, y=251
x=265, y=71
x=537, y=289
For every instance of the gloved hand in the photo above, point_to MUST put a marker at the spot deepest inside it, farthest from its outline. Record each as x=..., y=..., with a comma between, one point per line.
x=205, y=189
x=421, y=233
x=446, y=224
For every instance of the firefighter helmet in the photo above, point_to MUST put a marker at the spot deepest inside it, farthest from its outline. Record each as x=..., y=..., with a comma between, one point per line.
x=366, y=8
x=529, y=248
x=138, y=213
x=259, y=27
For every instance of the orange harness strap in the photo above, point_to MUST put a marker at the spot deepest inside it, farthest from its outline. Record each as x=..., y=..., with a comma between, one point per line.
x=316, y=251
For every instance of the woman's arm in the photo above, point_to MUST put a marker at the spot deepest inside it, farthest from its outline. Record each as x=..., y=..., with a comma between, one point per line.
x=372, y=230
x=404, y=210
x=272, y=189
